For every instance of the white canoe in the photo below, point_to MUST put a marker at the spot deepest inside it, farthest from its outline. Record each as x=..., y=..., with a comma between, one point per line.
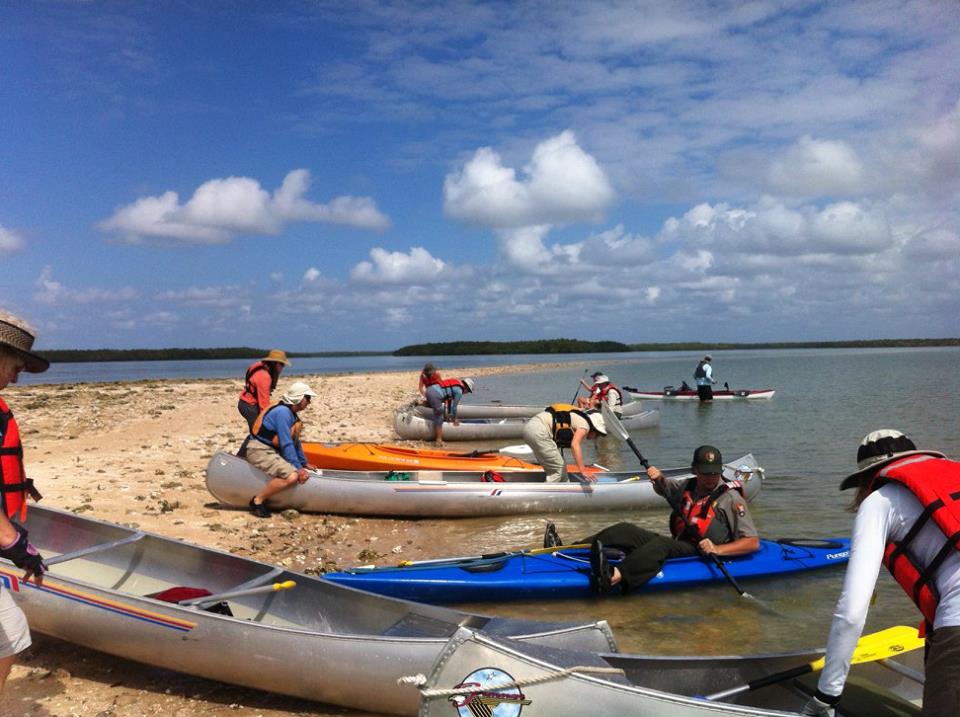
x=674, y=394
x=318, y=640
x=452, y=494
x=411, y=425
x=481, y=671
x=502, y=410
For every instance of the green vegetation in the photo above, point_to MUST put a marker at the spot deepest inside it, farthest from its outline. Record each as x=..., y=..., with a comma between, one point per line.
x=242, y=352
x=545, y=346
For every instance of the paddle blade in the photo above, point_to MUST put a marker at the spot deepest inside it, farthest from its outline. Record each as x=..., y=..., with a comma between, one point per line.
x=286, y=585
x=881, y=645
x=612, y=422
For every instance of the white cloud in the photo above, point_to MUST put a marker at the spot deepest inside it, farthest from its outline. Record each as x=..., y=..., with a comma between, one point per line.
x=817, y=168
x=560, y=184
x=222, y=208
x=311, y=274
x=10, y=241
x=416, y=267
x=51, y=292
x=210, y=297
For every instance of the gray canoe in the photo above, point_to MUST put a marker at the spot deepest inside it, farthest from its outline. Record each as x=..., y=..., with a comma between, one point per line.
x=451, y=494
x=318, y=640
x=477, y=672
x=504, y=410
x=410, y=424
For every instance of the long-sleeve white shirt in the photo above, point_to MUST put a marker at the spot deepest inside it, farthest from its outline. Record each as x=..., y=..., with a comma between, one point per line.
x=886, y=514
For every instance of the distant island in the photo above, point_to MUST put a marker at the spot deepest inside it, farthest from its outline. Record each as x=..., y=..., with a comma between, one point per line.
x=473, y=348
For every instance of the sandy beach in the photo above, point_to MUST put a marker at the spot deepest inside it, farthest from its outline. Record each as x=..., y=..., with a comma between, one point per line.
x=135, y=453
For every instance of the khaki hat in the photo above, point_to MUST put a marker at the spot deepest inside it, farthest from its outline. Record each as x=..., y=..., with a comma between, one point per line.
x=596, y=421
x=600, y=378
x=296, y=392
x=468, y=384
x=277, y=356
x=18, y=336
x=877, y=449
x=708, y=357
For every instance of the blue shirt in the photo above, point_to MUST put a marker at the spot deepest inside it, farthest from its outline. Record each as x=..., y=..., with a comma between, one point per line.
x=280, y=420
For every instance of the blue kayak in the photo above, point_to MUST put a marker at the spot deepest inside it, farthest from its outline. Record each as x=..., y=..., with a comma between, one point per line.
x=559, y=573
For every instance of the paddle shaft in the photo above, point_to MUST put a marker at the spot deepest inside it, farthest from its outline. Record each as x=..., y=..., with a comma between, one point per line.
x=196, y=602
x=577, y=393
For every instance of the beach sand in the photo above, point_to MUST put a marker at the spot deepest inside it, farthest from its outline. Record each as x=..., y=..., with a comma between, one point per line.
x=134, y=453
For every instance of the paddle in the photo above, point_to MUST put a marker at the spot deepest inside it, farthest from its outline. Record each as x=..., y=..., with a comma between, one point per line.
x=612, y=422
x=877, y=646
x=574, y=399
x=197, y=602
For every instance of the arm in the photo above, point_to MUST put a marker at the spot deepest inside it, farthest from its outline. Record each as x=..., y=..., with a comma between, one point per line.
x=284, y=420
x=455, y=404
x=577, y=449
x=8, y=533
x=740, y=546
x=732, y=509
x=261, y=379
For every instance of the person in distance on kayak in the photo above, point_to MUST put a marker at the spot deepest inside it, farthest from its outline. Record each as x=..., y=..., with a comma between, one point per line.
x=259, y=382
x=907, y=518
x=444, y=398
x=16, y=340
x=274, y=446
x=602, y=391
x=704, y=377
x=710, y=516
x=562, y=426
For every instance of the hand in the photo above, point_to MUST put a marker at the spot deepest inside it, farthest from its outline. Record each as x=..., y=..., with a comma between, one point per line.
x=654, y=473
x=817, y=708
x=22, y=554
x=302, y=475
x=707, y=546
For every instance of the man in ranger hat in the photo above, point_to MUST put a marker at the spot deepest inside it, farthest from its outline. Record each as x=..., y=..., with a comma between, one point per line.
x=16, y=342
x=908, y=519
x=274, y=446
x=709, y=516
x=260, y=380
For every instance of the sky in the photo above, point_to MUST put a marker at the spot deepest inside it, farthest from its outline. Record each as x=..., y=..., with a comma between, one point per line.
x=323, y=176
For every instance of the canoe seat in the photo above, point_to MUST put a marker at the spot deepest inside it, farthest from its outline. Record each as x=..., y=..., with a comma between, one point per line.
x=412, y=625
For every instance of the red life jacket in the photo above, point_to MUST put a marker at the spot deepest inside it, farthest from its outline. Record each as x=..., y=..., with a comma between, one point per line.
x=447, y=384
x=14, y=484
x=430, y=379
x=249, y=388
x=601, y=393
x=695, y=521
x=936, y=484
x=269, y=436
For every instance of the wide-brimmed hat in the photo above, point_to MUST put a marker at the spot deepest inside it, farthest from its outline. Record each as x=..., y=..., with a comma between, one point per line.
x=18, y=336
x=595, y=418
x=296, y=392
x=277, y=356
x=468, y=384
x=707, y=459
x=600, y=378
x=708, y=357
x=877, y=449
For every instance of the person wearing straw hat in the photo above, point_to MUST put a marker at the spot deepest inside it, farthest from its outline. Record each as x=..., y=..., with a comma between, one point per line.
x=703, y=375
x=562, y=426
x=16, y=342
x=259, y=382
x=908, y=519
x=274, y=446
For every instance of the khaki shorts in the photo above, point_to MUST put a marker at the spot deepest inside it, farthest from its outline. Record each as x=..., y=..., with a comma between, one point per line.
x=14, y=633
x=266, y=458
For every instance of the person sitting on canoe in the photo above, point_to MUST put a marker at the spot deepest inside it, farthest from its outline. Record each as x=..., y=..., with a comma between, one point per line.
x=444, y=398
x=704, y=377
x=908, y=519
x=259, y=382
x=710, y=515
x=602, y=391
x=274, y=446
x=562, y=426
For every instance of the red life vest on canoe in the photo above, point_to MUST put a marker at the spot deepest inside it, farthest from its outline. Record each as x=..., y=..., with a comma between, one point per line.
x=14, y=484
x=268, y=436
x=695, y=521
x=249, y=388
x=936, y=484
x=601, y=393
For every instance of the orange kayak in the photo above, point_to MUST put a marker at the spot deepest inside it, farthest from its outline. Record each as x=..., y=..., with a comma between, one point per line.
x=383, y=457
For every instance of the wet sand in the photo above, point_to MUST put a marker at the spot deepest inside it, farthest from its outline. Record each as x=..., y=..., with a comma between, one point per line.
x=134, y=453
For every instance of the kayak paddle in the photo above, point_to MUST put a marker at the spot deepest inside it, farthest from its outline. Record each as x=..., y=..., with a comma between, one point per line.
x=876, y=646
x=574, y=399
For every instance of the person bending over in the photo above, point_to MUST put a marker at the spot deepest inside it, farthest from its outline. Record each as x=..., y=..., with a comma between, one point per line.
x=562, y=426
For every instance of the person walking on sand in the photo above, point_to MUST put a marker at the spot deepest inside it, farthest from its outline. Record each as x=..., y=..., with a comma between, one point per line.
x=259, y=382
x=907, y=519
x=16, y=340
x=444, y=398
x=704, y=377
x=274, y=446
x=562, y=426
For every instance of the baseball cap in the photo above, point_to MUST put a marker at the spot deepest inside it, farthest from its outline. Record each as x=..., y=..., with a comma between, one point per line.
x=707, y=459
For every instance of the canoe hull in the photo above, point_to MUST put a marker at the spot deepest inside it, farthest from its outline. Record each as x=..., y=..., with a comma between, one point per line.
x=233, y=481
x=385, y=457
x=721, y=395
x=565, y=574
x=497, y=410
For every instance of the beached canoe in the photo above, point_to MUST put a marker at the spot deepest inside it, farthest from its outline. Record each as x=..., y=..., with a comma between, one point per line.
x=438, y=494
x=409, y=424
x=478, y=674
x=385, y=457
x=669, y=393
x=317, y=640
x=564, y=573
x=504, y=410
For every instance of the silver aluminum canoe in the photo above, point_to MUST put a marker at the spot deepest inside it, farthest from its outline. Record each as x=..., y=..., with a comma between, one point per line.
x=503, y=410
x=489, y=672
x=409, y=424
x=318, y=640
x=451, y=494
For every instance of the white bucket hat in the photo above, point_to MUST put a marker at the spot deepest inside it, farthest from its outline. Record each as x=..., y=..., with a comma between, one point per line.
x=877, y=449
x=596, y=421
x=468, y=383
x=600, y=378
x=296, y=392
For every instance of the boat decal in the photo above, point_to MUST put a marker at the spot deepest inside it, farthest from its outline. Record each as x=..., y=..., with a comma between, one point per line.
x=486, y=692
x=118, y=608
x=838, y=556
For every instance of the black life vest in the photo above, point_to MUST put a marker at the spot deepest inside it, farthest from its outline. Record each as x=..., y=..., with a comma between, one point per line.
x=250, y=387
x=268, y=436
x=696, y=519
x=563, y=429
x=14, y=484
x=699, y=371
x=936, y=484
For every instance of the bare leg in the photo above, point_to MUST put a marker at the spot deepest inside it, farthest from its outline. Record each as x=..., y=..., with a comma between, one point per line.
x=273, y=487
x=6, y=663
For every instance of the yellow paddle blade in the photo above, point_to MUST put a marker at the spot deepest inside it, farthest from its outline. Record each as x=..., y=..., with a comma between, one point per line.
x=284, y=585
x=880, y=645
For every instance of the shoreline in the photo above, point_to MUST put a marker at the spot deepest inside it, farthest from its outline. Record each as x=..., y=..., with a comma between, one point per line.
x=134, y=453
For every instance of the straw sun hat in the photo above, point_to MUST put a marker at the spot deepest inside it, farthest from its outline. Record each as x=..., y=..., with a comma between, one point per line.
x=18, y=336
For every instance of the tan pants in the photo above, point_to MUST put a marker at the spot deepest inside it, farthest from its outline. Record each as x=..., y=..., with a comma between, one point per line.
x=539, y=437
x=266, y=458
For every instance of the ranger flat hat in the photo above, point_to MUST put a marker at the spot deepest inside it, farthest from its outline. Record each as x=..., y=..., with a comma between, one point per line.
x=877, y=449
x=18, y=336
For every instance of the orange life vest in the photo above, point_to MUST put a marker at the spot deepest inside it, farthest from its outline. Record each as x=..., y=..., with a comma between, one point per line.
x=249, y=388
x=695, y=521
x=563, y=429
x=936, y=484
x=268, y=436
x=14, y=484
x=428, y=379
x=601, y=393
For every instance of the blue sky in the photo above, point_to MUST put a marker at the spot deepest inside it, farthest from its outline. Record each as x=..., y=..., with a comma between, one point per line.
x=327, y=176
